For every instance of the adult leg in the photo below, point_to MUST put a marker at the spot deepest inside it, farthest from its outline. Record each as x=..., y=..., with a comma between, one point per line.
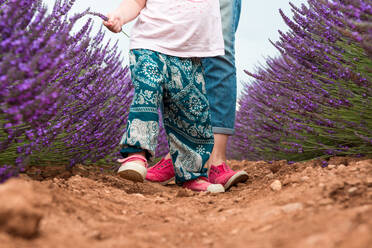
x=220, y=76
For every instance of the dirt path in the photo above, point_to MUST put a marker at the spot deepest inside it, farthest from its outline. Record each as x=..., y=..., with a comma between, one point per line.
x=316, y=207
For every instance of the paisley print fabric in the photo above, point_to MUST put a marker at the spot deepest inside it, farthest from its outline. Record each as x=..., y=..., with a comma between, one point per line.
x=176, y=85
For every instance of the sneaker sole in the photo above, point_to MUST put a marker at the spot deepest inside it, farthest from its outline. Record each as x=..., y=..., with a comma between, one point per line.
x=133, y=172
x=239, y=177
x=216, y=188
x=161, y=183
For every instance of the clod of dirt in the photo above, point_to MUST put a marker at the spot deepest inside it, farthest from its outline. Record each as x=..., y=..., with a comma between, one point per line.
x=291, y=179
x=183, y=193
x=277, y=165
x=18, y=216
x=325, y=201
x=364, y=163
x=369, y=181
x=276, y=185
x=339, y=160
x=97, y=235
x=270, y=175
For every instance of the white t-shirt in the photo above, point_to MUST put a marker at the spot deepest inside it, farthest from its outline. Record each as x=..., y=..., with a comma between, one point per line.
x=182, y=28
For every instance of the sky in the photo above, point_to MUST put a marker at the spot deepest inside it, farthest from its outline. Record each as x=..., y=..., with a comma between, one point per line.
x=259, y=22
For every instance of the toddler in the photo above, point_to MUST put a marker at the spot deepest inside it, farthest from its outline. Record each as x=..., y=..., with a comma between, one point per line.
x=167, y=42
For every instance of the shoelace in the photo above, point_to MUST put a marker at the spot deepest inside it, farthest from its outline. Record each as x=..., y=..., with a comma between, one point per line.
x=215, y=170
x=218, y=169
x=226, y=168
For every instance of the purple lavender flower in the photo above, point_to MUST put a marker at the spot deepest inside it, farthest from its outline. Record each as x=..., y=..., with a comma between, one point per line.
x=66, y=93
x=314, y=99
x=162, y=148
x=103, y=17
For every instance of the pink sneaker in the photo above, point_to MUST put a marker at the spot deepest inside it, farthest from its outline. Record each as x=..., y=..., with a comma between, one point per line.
x=224, y=175
x=132, y=169
x=202, y=184
x=162, y=172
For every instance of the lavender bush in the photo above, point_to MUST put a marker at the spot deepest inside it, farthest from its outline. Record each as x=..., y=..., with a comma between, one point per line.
x=315, y=99
x=64, y=96
x=162, y=149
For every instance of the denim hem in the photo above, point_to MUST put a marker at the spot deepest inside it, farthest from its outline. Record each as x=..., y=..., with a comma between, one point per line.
x=223, y=130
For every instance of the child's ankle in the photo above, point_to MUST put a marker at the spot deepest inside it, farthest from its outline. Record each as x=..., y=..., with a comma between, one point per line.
x=143, y=154
x=168, y=156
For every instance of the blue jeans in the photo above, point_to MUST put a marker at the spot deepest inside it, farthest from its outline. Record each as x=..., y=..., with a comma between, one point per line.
x=220, y=73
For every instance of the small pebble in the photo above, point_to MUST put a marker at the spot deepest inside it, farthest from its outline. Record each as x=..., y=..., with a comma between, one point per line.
x=305, y=178
x=270, y=175
x=166, y=220
x=352, y=190
x=325, y=201
x=308, y=170
x=353, y=169
x=139, y=195
x=292, y=207
x=276, y=185
x=331, y=166
x=265, y=228
x=159, y=201
x=310, y=203
x=207, y=241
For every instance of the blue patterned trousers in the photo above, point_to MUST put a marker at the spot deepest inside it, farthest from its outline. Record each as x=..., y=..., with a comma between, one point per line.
x=177, y=85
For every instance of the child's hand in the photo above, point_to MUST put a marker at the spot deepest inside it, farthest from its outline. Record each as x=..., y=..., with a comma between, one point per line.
x=113, y=23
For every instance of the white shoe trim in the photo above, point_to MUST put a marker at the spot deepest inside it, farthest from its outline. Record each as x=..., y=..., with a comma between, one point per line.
x=238, y=177
x=133, y=171
x=161, y=183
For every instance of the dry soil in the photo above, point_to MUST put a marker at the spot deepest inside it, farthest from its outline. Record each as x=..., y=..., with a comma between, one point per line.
x=281, y=205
